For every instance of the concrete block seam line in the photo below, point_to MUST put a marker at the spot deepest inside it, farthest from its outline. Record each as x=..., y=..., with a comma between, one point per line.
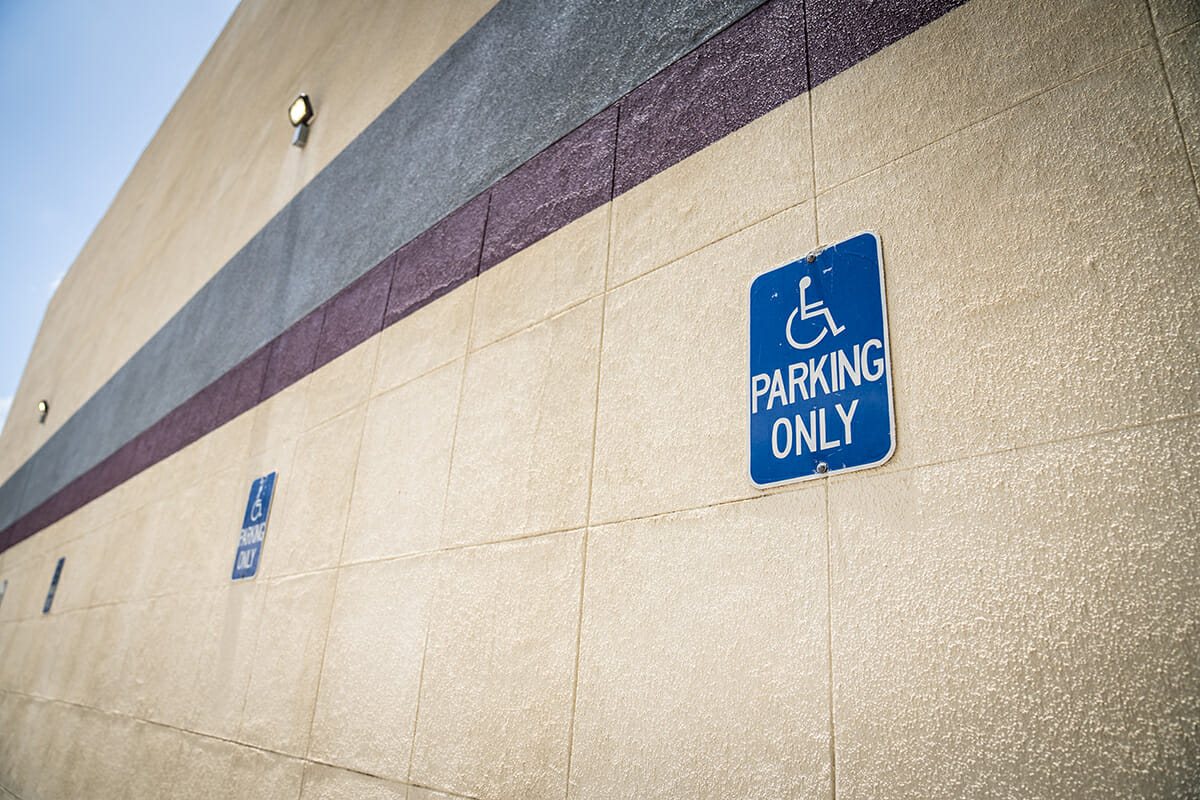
x=316, y=762
x=668, y=98
x=1191, y=157
x=435, y=587
x=429, y=609
x=812, y=138
x=446, y=792
x=591, y=475
x=834, y=480
x=156, y=723
x=991, y=115
x=557, y=314
x=337, y=575
x=185, y=732
x=312, y=717
x=682, y=254
x=1167, y=29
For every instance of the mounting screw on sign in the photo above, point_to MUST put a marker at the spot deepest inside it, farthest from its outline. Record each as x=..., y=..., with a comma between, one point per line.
x=820, y=391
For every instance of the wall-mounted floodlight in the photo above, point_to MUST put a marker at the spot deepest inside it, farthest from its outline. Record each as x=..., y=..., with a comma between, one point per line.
x=43, y=410
x=300, y=113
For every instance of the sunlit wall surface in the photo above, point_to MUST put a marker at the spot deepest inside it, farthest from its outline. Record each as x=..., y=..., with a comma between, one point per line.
x=489, y=330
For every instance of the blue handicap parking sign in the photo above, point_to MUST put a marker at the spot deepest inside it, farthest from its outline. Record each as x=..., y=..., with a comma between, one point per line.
x=820, y=374
x=53, y=586
x=254, y=527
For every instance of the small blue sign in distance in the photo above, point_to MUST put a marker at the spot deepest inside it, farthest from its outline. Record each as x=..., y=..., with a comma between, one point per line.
x=3, y=589
x=254, y=527
x=53, y=586
x=820, y=397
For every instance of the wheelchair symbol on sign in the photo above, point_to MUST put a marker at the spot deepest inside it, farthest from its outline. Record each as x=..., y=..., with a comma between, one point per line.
x=256, y=511
x=812, y=310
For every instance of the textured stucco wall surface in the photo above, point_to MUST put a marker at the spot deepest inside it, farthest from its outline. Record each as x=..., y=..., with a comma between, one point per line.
x=514, y=551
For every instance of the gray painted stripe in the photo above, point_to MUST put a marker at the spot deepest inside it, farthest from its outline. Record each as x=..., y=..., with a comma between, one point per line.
x=527, y=73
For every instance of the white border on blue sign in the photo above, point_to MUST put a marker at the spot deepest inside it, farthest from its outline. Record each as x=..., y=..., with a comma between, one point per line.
x=887, y=360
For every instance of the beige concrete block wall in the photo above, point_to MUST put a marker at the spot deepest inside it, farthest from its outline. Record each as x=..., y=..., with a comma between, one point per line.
x=514, y=551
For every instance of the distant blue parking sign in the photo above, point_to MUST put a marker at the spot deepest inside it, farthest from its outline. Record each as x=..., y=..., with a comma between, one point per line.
x=820, y=374
x=254, y=527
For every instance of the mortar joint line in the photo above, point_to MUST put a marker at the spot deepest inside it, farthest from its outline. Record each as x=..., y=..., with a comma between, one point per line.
x=13, y=792
x=305, y=760
x=612, y=181
x=884, y=471
x=304, y=766
x=337, y=575
x=608, y=256
x=435, y=582
x=591, y=479
x=262, y=609
x=812, y=133
x=447, y=792
x=986, y=118
x=317, y=762
x=1166, y=74
x=156, y=723
x=1047, y=443
x=266, y=585
x=329, y=617
x=575, y=679
x=429, y=608
x=728, y=235
x=557, y=314
x=812, y=151
x=375, y=395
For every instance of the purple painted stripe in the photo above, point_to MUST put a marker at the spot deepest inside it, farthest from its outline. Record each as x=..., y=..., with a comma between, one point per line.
x=557, y=186
x=842, y=33
x=293, y=353
x=184, y=425
x=752, y=67
x=355, y=314
x=241, y=387
x=88, y=486
x=440, y=259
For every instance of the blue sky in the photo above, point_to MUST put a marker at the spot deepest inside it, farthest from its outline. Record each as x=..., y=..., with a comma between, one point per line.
x=83, y=88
